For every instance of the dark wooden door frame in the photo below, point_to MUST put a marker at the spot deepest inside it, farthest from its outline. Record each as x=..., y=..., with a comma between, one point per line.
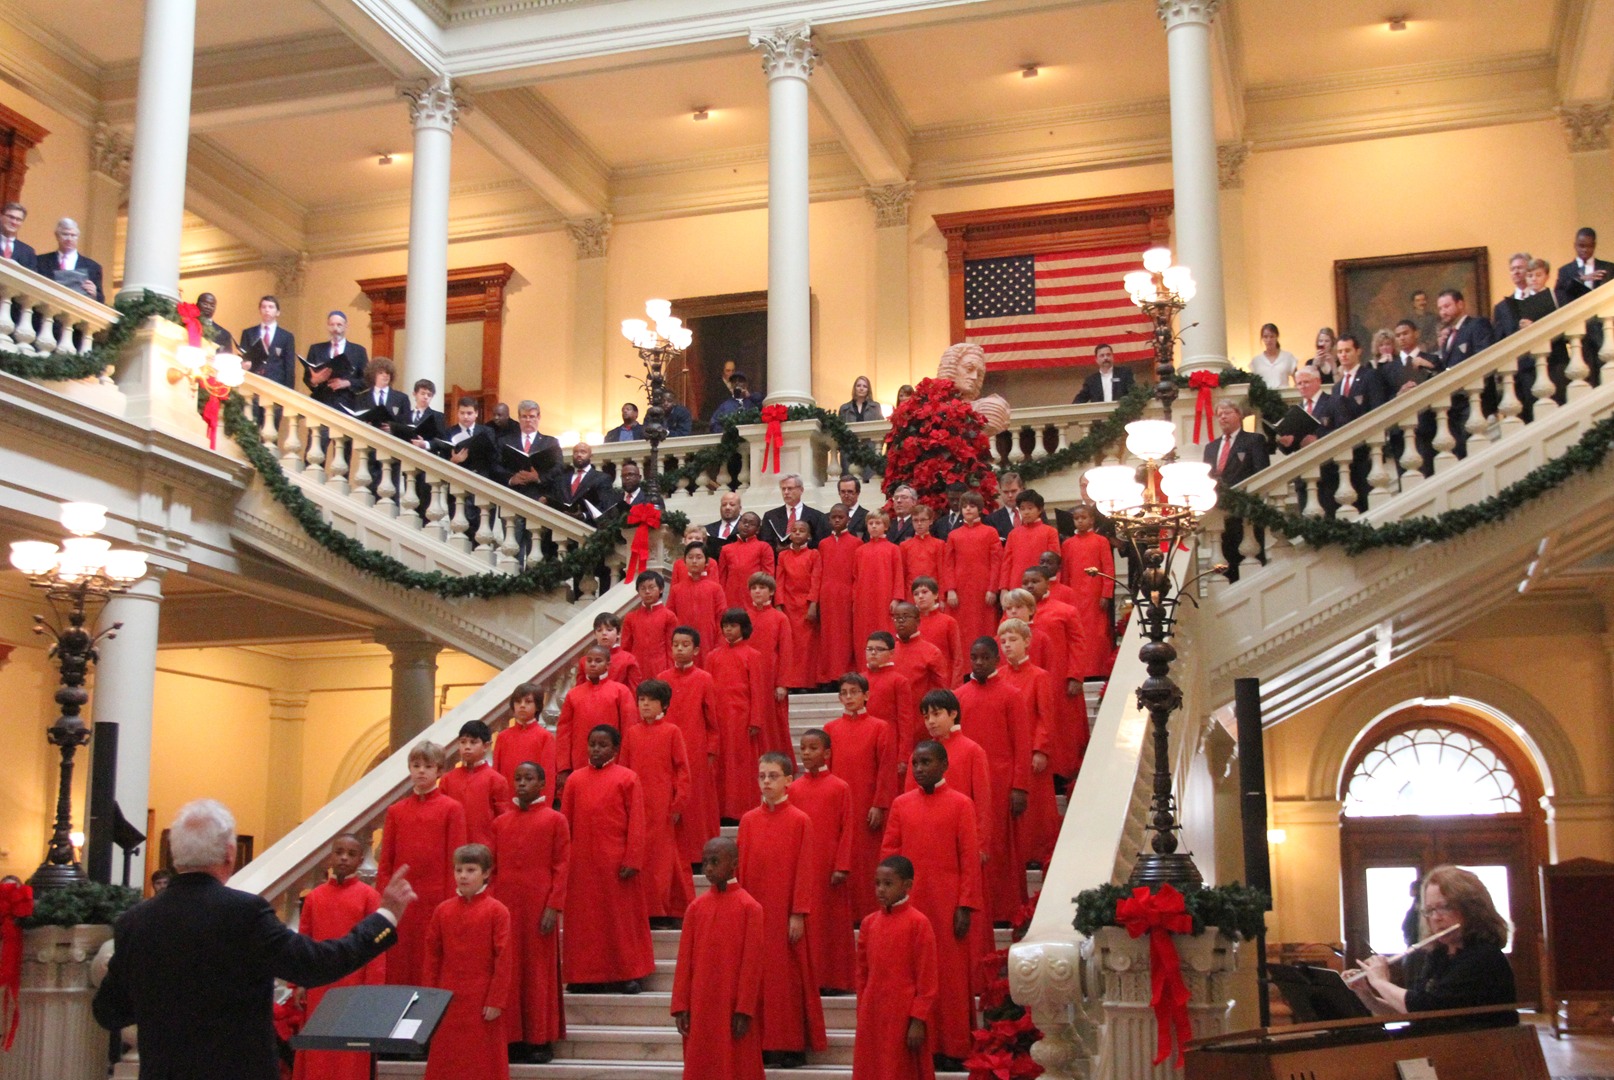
x=687, y=381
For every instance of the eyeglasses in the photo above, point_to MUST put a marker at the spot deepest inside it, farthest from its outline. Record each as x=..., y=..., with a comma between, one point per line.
x=1438, y=909
x=876, y=648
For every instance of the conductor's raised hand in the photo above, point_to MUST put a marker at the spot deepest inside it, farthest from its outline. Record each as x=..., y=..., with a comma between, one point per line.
x=398, y=894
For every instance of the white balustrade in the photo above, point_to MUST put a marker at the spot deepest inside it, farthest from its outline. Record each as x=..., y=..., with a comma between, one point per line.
x=39, y=317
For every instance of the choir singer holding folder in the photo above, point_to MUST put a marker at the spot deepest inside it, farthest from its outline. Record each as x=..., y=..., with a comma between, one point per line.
x=528, y=456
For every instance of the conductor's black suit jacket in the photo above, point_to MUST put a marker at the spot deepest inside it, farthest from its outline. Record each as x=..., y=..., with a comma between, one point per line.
x=195, y=966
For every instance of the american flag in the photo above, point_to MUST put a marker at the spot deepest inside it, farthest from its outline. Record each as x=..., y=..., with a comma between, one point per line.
x=1051, y=310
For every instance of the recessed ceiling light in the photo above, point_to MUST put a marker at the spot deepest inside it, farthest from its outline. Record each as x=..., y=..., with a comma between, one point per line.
x=1029, y=71
x=702, y=113
x=1398, y=22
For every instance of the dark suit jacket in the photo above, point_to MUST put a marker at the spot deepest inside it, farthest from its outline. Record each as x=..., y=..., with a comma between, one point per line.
x=502, y=474
x=999, y=520
x=1093, y=385
x=274, y=360
x=1248, y=457
x=350, y=366
x=776, y=526
x=1325, y=411
x=221, y=337
x=714, y=543
x=49, y=263
x=679, y=421
x=594, y=489
x=944, y=525
x=1368, y=392
x=195, y=968
x=857, y=522
x=24, y=256
x=431, y=425
x=1505, y=317
x=1569, y=285
x=1475, y=335
x=479, y=449
x=640, y=497
x=634, y=431
x=898, y=531
x=364, y=398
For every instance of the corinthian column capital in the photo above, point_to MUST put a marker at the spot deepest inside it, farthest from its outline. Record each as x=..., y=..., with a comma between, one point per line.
x=434, y=103
x=1177, y=12
x=1586, y=126
x=787, y=51
x=890, y=202
x=591, y=236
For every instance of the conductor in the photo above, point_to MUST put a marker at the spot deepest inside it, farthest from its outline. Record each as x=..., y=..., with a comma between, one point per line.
x=195, y=965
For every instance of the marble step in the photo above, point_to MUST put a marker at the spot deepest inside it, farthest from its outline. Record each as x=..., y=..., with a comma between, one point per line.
x=665, y=942
x=579, y=1069
x=644, y=1044
x=1033, y=877
x=651, y=1010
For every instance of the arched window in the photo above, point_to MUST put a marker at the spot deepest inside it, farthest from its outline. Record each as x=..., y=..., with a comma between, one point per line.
x=1431, y=770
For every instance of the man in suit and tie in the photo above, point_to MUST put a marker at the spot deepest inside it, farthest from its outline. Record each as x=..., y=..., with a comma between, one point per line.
x=634, y=492
x=1357, y=389
x=629, y=430
x=1410, y=367
x=776, y=523
x=379, y=394
x=67, y=257
x=334, y=365
x=476, y=450
x=267, y=349
x=1234, y=457
x=1007, y=515
x=207, y=305
x=194, y=967
x=850, y=490
x=1108, y=383
x=723, y=531
x=1504, y=316
x=903, y=500
x=1466, y=336
x=1577, y=278
x=528, y=480
x=952, y=519
x=12, y=215
x=582, y=490
x=1315, y=404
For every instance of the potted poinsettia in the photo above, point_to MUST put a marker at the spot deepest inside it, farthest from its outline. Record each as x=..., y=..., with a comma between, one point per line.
x=1002, y=1045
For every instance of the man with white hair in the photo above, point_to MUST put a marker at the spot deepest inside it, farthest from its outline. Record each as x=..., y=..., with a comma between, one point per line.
x=195, y=965
x=903, y=499
x=66, y=257
x=776, y=523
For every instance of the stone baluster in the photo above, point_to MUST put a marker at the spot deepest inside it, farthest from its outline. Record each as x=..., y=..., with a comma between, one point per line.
x=1444, y=442
x=363, y=458
x=1344, y=489
x=1250, y=550
x=1311, y=486
x=386, y=490
x=1477, y=425
x=1411, y=456
x=1017, y=453
x=459, y=526
x=336, y=468
x=1577, y=371
x=269, y=430
x=437, y=511
x=1381, y=477
x=315, y=469
x=706, y=481
x=409, y=499
x=1039, y=442
x=45, y=341
x=1542, y=389
x=1064, y=434
x=1508, y=409
x=509, y=544
x=291, y=442
x=24, y=333
x=7, y=323
x=743, y=478
x=486, y=538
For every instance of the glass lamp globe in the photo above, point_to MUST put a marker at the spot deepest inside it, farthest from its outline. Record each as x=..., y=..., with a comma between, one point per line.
x=125, y=566
x=83, y=556
x=658, y=309
x=682, y=337
x=1178, y=278
x=190, y=358
x=1157, y=260
x=227, y=370
x=34, y=557
x=1139, y=285
x=1151, y=440
x=83, y=518
x=633, y=329
x=1113, y=487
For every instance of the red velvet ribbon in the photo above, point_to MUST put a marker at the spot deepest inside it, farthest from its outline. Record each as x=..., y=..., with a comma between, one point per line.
x=774, y=437
x=191, y=315
x=216, y=393
x=648, y=518
x=1204, y=408
x=1160, y=916
x=16, y=902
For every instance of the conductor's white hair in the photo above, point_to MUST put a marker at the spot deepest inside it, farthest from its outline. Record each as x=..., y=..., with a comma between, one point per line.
x=202, y=835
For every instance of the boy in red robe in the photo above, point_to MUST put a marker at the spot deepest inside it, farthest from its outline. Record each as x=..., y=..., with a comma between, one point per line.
x=877, y=577
x=776, y=852
x=1070, y=737
x=940, y=629
x=922, y=553
x=896, y=983
x=655, y=751
x=476, y=785
x=800, y=577
x=994, y=714
x=771, y=638
x=921, y=663
x=1039, y=825
x=827, y=800
x=968, y=771
x=742, y=702
x=717, y=985
x=865, y=757
x=1051, y=562
x=596, y=699
x=1093, y=596
x=330, y=911
x=532, y=847
x=971, y=571
x=606, y=947
x=889, y=695
x=624, y=666
x=421, y=831
x=694, y=710
x=742, y=557
x=934, y=828
x=1026, y=541
x=525, y=738
x=647, y=629
x=699, y=601
x=468, y=953
x=837, y=561
x=693, y=534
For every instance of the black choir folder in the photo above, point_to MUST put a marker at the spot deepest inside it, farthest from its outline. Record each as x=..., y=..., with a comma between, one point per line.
x=545, y=460
x=374, y=1019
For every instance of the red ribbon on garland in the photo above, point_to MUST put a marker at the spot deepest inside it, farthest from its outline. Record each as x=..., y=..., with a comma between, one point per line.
x=1160, y=916
x=1204, y=408
x=216, y=393
x=774, y=437
x=191, y=315
x=647, y=517
x=16, y=902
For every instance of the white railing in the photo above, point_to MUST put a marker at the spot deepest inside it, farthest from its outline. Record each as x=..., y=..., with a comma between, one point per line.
x=38, y=317
x=734, y=474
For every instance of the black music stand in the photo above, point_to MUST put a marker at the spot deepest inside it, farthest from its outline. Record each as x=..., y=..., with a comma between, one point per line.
x=375, y=1020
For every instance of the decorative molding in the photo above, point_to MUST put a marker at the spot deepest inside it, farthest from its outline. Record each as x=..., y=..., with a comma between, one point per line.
x=1586, y=126
x=890, y=202
x=1230, y=161
x=787, y=51
x=1405, y=75
x=592, y=236
x=291, y=273
x=109, y=153
x=289, y=705
x=434, y=103
x=18, y=136
x=1175, y=13
x=1042, y=119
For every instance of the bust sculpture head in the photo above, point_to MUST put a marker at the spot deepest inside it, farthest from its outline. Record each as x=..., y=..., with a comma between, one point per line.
x=965, y=365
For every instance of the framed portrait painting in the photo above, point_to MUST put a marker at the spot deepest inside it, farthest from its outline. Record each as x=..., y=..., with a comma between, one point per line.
x=1375, y=294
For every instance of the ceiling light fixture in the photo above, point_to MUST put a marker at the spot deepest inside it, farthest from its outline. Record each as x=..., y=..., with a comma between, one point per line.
x=1029, y=71
x=384, y=159
x=702, y=113
x=1398, y=22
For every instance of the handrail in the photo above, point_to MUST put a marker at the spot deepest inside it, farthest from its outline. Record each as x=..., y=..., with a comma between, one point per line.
x=41, y=303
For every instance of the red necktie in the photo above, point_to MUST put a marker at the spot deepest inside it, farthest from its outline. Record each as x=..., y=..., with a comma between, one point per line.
x=1346, y=389
x=1221, y=458
x=8, y=247
x=577, y=478
x=1308, y=406
x=526, y=444
x=792, y=515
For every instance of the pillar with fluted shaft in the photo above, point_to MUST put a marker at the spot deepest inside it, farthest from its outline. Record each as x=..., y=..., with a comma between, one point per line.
x=161, y=139
x=434, y=109
x=787, y=59
x=125, y=691
x=414, y=683
x=892, y=356
x=1198, y=222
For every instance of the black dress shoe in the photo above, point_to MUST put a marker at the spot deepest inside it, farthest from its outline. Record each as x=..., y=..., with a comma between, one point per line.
x=948, y=1064
x=794, y=1060
x=822, y=992
x=630, y=987
x=542, y=1054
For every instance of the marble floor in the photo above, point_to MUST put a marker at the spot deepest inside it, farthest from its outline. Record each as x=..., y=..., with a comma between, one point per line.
x=1574, y=1055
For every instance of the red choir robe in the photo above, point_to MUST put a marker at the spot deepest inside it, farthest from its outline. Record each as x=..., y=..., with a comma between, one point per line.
x=531, y=858
x=468, y=953
x=524, y=742
x=739, y=560
x=771, y=638
x=720, y=972
x=1059, y=592
x=922, y=556
x=680, y=573
x=776, y=867
x=864, y=754
x=972, y=569
x=994, y=714
x=607, y=936
x=1039, y=825
x=1070, y=734
x=656, y=752
x=941, y=630
x=970, y=774
x=330, y=911
x=420, y=832
x=937, y=833
x=891, y=699
x=924, y=668
x=837, y=652
x=1089, y=596
x=587, y=706
x=624, y=668
x=699, y=605
x=743, y=703
x=799, y=574
x=827, y=800
x=647, y=634
x=1022, y=550
x=877, y=579
x=896, y=983
x=483, y=792
x=694, y=710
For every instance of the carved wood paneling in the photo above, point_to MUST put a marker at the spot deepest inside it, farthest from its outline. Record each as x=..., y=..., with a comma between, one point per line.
x=18, y=135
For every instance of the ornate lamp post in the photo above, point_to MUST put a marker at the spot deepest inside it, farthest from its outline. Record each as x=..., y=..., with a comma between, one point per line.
x=1162, y=290
x=1156, y=517
x=78, y=578
x=660, y=339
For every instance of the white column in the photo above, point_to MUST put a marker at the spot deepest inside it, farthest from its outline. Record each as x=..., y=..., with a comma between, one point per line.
x=1194, y=173
x=787, y=59
x=125, y=684
x=161, y=139
x=893, y=363
x=288, y=710
x=434, y=108
x=414, y=683
x=590, y=383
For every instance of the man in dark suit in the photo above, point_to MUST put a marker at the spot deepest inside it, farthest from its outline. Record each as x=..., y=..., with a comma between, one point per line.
x=1504, y=316
x=850, y=490
x=724, y=531
x=1577, y=278
x=1108, y=383
x=1007, y=515
x=1314, y=403
x=776, y=522
x=67, y=257
x=207, y=305
x=379, y=393
x=12, y=215
x=1357, y=389
x=1234, y=457
x=629, y=430
x=266, y=349
x=334, y=366
x=1467, y=335
x=582, y=490
x=528, y=439
x=476, y=450
x=633, y=491
x=903, y=500
x=420, y=417
x=195, y=965
x=950, y=518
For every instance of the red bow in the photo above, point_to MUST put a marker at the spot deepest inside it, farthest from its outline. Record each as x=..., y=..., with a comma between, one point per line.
x=191, y=316
x=16, y=902
x=1204, y=410
x=647, y=517
x=774, y=437
x=216, y=392
x=1160, y=916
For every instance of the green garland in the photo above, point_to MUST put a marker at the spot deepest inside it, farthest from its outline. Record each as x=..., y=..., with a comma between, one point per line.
x=67, y=367
x=1099, y=438
x=535, y=577
x=81, y=903
x=1234, y=909
x=1263, y=399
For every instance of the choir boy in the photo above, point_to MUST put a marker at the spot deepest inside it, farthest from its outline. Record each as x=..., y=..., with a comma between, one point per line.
x=694, y=711
x=877, y=575
x=921, y=663
x=596, y=699
x=1040, y=824
x=837, y=561
x=655, y=751
x=624, y=666
x=971, y=570
x=799, y=570
x=1051, y=563
x=994, y=714
x=890, y=697
x=776, y=860
x=717, y=985
x=933, y=827
x=865, y=757
x=896, y=983
x=940, y=629
x=1093, y=594
x=741, y=557
x=330, y=911
x=693, y=534
x=1070, y=741
x=742, y=702
x=1026, y=541
x=524, y=738
x=770, y=637
x=468, y=953
x=698, y=601
x=922, y=553
x=476, y=785
x=827, y=800
x=968, y=771
x=606, y=947
x=532, y=847
x=421, y=831
x=647, y=629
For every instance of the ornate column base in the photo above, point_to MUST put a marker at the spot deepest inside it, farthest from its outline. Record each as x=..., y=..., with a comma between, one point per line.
x=1128, y=1032
x=1047, y=978
x=57, y=1036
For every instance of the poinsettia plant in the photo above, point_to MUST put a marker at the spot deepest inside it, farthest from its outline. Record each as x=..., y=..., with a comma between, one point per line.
x=937, y=439
x=1002, y=1046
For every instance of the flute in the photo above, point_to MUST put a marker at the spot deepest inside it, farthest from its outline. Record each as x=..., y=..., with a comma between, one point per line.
x=1361, y=973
